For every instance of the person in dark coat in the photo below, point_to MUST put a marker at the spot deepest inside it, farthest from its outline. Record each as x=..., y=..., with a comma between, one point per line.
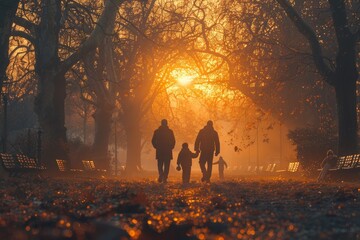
x=185, y=161
x=207, y=142
x=163, y=141
x=222, y=164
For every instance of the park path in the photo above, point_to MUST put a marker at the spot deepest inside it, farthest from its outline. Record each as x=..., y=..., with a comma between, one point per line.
x=143, y=209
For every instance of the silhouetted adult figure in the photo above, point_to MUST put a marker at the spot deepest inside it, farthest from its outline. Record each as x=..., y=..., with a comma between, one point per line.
x=222, y=165
x=163, y=141
x=207, y=142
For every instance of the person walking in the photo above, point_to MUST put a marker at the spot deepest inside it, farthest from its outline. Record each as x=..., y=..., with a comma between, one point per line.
x=328, y=163
x=207, y=142
x=185, y=161
x=163, y=141
x=222, y=164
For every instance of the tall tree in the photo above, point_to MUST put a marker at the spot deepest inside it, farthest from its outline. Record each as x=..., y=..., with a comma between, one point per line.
x=343, y=73
x=148, y=44
x=102, y=87
x=7, y=13
x=49, y=103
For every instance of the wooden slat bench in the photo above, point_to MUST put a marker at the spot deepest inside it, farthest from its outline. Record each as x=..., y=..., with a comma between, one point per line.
x=347, y=168
x=9, y=163
x=293, y=167
x=65, y=170
x=270, y=167
x=28, y=165
x=20, y=164
x=89, y=166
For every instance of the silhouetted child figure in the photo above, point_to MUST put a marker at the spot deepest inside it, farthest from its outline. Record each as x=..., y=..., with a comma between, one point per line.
x=221, y=163
x=185, y=161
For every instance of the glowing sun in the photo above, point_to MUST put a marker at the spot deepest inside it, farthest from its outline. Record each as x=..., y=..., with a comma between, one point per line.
x=184, y=76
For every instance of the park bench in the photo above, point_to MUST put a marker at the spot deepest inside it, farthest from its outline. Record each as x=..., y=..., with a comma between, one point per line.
x=346, y=162
x=347, y=168
x=20, y=164
x=293, y=167
x=65, y=170
x=89, y=166
x=258, y=169
x=270, y=167
x=28, y=165
x=61, y=164
x=8, y=163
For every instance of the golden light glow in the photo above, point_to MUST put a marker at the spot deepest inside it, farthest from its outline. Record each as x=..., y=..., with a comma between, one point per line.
x=184, y=76
x=185, y=80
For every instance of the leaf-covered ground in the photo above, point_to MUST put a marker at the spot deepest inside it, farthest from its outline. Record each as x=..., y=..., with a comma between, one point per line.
x=240, y=208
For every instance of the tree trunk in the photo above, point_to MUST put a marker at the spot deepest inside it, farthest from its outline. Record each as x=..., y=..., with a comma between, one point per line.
x=50, y=99
x=7, y=12
x=133, y=154
x=49, y=107
x=345, y=88
x=344, y=75
x=102, y=118
x=133, y=139
x=346, y=104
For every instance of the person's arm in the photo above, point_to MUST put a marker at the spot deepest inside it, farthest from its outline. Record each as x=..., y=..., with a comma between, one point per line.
x=172, y=139
x=154, y=139
x=217, y=144
x=216, y=163
x=225, y=164
x=197, y=142
x=178, y=162
x=194, y=155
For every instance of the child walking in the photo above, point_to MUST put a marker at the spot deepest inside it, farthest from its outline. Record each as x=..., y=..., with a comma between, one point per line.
x=221, y=163
x=185, y=161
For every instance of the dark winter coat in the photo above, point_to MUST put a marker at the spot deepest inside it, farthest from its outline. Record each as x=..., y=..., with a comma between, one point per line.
x=207, y=140
x=185, y=157
x=163, y=141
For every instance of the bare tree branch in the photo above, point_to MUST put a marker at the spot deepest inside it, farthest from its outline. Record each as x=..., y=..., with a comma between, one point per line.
x=103, y=28
x=25, y=24
x=310, y=35
x=22, y=34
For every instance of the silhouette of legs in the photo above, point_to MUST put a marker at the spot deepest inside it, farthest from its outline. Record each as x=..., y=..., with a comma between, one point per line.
x=221, y=174
x=163, y=168
x=209, y=168
x=206, y=158
x=221, y=171
x=160, y=169
x=166, y=170
x=186, y=174
x=203, y=169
